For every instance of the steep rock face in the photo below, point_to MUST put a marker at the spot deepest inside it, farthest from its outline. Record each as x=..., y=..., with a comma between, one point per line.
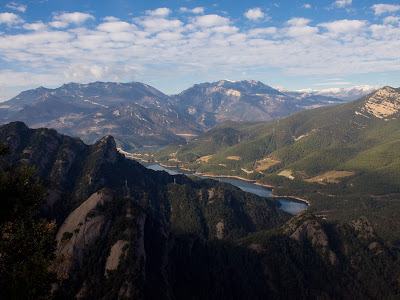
x=383, y=104
x=113, y=260
x=82, y=227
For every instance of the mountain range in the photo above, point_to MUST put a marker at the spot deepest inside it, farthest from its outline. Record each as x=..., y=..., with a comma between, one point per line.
x=138, y=115
x=342, y=158
x=124, y=231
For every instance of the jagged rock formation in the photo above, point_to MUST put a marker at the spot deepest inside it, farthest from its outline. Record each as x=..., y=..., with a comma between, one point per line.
x=312, y=231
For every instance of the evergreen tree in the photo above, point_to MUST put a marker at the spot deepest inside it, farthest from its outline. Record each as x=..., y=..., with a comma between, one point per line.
x=26, y=243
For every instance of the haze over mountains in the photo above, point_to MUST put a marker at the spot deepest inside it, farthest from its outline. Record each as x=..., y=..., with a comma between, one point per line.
x=138, y=115
x=347, y=94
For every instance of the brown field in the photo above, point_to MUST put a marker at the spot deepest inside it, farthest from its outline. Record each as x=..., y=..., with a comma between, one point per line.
x=233, y=157
x=330, y=177
x=204, y=158
x=266, y=163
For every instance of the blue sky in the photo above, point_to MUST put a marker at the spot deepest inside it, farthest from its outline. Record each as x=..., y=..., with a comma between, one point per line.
x=172, y=45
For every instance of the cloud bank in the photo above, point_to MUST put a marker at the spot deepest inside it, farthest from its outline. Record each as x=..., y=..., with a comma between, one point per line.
x=78, y=47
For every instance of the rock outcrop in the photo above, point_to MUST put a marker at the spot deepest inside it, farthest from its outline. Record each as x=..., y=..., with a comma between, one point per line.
x=82, y=227
x=117, y=250
x=313, y=232
x=363, y=228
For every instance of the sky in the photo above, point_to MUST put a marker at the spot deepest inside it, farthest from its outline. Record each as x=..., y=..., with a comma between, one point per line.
x=174, y=44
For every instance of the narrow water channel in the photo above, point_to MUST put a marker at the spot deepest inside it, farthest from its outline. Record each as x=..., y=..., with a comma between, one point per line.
x=289, y=205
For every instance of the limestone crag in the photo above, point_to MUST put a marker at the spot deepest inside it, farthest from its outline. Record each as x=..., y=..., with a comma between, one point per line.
x=383, y=104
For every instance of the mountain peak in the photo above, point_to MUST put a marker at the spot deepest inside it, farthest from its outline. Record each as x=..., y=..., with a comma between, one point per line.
x=109, y=148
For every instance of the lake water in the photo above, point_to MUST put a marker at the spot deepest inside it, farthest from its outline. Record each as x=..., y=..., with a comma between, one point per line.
x=289, y=205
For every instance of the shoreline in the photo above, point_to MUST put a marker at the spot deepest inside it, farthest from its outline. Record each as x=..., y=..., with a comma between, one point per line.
x=241, y=178
x=293, y=197
x=264, y=185
x=166, y=166
x=257, y=183
x=226, y=176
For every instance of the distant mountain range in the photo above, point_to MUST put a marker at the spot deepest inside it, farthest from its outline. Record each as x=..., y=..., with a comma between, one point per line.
x=347, y=94
x=138, y=115
x=135, y=113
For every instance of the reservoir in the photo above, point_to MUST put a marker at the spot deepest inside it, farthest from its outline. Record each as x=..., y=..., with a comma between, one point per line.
x=289, y=205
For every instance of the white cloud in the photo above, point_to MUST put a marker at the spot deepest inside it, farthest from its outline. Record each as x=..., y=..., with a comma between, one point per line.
x=153, y=45
x=298, y=28
x=225, y=29
x=58, y=24
x=75, y=17
x=16, y=6
x=342, y=3
x=262, y=32
x=298, y=22
x=307, y=6
x=116, y=26
x=159, y=12
x=339, y=83
x=345, y=27
x=391, y=20
x=254, y=14
x=77, y=72
x=211, y=21
x=10, y=19
x=152, y=25
x=301, y=31
x=384, y=8
x=111, y=19
x=35, y=26
x=196, y=10
x=385, y=32
x=169, y=36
